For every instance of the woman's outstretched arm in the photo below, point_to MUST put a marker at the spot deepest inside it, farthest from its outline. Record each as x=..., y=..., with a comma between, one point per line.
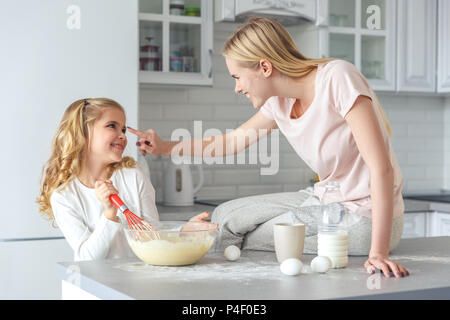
x=226, y=144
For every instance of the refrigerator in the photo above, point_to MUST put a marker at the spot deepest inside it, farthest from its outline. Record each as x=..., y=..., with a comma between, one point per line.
x=53, y=52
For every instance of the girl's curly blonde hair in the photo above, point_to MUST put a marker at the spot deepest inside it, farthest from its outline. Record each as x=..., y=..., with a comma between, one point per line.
x=69, y=147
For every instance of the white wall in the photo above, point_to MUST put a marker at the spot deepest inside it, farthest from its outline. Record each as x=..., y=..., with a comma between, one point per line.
x=45, y=66
x=417, y=124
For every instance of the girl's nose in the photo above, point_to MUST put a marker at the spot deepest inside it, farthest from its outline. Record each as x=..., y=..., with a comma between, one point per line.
x=237, y=89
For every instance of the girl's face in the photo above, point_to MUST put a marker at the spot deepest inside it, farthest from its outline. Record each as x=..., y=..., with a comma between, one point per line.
x=251, y=82
x=108, y=139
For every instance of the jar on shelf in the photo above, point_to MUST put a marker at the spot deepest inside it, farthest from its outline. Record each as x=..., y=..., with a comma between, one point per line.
x=188, y=64
x=192, y=11
x=332, y=238
x=149, y=56
x=176, y=7
x=176, y=62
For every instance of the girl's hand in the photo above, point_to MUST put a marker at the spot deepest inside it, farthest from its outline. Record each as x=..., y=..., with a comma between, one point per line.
x=200, y=217
x=149, y=141
x=103, y=189
x=388, y=267
x=199, y=223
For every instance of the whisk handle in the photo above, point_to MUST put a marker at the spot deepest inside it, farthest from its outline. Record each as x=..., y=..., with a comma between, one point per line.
x=117, y=202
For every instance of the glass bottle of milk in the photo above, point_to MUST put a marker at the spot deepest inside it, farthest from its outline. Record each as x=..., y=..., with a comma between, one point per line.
x=332, y=240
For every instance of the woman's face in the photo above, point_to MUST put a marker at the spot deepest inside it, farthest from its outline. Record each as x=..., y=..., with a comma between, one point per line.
x=251, y=82
x=108, y=139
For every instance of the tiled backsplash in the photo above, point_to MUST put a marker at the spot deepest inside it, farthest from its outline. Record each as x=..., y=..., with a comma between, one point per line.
x=418, y=139
x=417, y=122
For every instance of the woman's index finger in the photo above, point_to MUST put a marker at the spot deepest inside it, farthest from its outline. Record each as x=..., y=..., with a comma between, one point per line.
x=137, y=132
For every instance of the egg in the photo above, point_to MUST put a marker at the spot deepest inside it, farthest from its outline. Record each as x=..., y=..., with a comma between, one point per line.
x=291, y=267
x=320, y=264
x=232, y=253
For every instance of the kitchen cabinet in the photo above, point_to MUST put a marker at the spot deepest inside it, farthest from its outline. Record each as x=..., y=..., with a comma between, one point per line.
x=443, y=71
x=405, y=50
x=416, y=57
x=414, y=225
x=363, y=33
x=286, y=12
x=438, y=224
x=27, y=268
x=175, y=42
x=426, y=224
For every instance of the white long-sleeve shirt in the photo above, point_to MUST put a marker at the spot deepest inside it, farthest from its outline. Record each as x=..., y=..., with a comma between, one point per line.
x=79, y=215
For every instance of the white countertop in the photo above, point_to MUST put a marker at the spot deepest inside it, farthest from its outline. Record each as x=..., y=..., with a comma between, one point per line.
x=182, y=213
x=256, y=275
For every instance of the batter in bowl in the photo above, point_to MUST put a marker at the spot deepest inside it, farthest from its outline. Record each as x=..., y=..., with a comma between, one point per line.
x=172, y=251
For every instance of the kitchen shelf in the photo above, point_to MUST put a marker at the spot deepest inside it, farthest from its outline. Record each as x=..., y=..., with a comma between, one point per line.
x=345, y=35
x=175, y=78
x=175, y=49
x=169, y=18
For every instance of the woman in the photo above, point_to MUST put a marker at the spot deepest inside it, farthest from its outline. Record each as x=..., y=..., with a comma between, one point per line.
x=333, y=120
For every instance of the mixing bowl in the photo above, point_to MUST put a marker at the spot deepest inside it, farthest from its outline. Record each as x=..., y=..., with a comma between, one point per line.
x=173, y=243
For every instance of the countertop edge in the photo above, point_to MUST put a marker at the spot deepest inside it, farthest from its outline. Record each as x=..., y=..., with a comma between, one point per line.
x=89, y=285
x=442, y=293
x=413, y=205
x=107, y=293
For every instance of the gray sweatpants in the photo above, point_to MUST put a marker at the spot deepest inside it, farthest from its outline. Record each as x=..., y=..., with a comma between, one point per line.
x=248, y=222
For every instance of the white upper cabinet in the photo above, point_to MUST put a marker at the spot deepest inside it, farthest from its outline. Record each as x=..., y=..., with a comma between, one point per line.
x=398, y=45
x=416, y=57
x=175, y=42
x=301, y=8
x=444, y=46
x=363, y=33
x=288, y=12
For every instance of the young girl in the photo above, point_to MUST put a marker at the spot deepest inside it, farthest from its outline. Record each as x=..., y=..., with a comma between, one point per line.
x=85, y=167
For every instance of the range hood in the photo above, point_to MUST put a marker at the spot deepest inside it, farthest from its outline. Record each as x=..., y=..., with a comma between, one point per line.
x=286, y=12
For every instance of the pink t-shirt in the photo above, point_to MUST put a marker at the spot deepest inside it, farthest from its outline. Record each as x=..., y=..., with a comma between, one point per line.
x=323, y=139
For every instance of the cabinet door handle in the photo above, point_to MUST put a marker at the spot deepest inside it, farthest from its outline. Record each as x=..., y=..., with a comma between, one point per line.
x=210, y=51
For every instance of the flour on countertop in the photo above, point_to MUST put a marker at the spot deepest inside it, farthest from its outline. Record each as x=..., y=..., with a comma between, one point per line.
x=246, y=270
x=242, y=270
x=435, y=259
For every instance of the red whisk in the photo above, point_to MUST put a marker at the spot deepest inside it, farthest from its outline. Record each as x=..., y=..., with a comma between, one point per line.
x=134, y=222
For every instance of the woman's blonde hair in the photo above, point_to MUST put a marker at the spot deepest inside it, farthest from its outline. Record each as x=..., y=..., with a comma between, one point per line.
x=263, y=38
x=69, y=146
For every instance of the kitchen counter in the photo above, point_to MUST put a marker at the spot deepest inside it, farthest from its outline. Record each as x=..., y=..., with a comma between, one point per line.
x=256, y=275
x=171, y=213
x=413, y=205
x=182, y=213
x=431, y=200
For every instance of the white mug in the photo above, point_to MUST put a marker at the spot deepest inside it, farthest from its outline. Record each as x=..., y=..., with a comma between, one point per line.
x=289, y=240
